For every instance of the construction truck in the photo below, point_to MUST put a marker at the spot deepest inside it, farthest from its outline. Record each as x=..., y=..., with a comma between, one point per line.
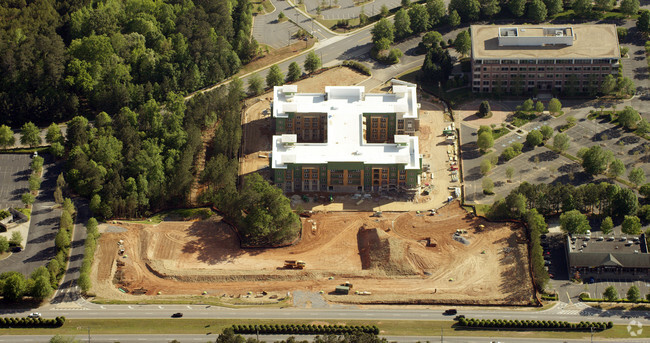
x=293, y=264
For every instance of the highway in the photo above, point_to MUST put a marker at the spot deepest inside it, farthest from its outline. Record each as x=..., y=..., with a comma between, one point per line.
x=273, y=338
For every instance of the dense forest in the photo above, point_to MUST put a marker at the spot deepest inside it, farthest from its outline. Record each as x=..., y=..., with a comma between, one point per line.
x=59, y=59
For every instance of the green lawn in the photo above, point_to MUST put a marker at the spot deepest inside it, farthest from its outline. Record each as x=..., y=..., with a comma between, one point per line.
x=521, y=118
x=215, y=326
x=178, y=214
x=497, y=133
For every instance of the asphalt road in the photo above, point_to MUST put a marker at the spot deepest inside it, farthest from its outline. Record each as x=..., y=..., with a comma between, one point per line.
x=42, y=228
x=275, y=338
x=68, y=290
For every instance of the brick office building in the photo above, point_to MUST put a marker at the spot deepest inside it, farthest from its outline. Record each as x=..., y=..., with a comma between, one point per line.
x=546, y=58
x=345, y=140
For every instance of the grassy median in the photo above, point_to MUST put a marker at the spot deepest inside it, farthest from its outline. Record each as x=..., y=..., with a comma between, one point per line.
x=215, y=326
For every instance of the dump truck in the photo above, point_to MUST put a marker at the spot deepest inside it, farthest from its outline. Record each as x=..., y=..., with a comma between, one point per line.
x=347, y=284
x=293, y=264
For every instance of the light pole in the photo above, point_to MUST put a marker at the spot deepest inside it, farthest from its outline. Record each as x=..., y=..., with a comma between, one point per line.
x=89, y=334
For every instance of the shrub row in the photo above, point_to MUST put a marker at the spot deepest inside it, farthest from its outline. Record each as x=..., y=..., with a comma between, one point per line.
x=62, y=243
x=31, y=322
x=549, y=296
x=532, y=324
x=358, y=66
x=304, y=329
x=89, y=254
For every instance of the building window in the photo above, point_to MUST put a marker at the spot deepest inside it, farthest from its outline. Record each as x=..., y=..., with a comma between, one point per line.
x=486, y=83
x=558, y=83
x=476, y=83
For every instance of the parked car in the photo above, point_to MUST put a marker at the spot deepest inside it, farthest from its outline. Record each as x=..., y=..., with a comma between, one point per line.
x=450, y=312
x=592, y=280
x=34, y=315
x=177, y=315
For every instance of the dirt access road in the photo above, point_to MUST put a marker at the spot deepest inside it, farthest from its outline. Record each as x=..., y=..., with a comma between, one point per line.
x=399, y=258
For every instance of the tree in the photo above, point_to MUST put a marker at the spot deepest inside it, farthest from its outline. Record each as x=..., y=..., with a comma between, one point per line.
x=574, y=222
x=28, y=199
x=6, y=136
x=294, y=72
x=58, y=195
x=608, y=85
x=453, y=19
x=636, y=176
x=630, y=7
x=561, y=142
x=432, y=38
x=53, y=134
x=255, y=85
x=539, y=107
x=485, y=141
x=384, y=11
x=616, y=168
x=537, y=11
x=517, y=7
x=486, y=166
x=384, y=29
x=510, y=172
x=645, y=190
x=4, y=244
x=42, y=288
x=419, y=18
x=37, y=164
x=490, y=7
x=274, y=77
x=30, y=135
x=437, y=10
x=312, y=62
x=527, y=105
x=34, y=182
x=595, y=159
x=469, y=10
x=610, y=294
x=633, y=293
x=624, y=202
x=547, y=132
x=406, y=3
x=624, y=86
x=604, y=5
x=402, y=24
x=643, y=23
x=631, y=225
x=554, y=6
x=582, y=8
x=628, y=118
x=554, y=106
x=16, y=239
x=484, y=109
x=644, y=214
x=488, y=185
x=281, y=16
x=463, y=43
x=14, y=287
x=607, y=225
x=534, y=138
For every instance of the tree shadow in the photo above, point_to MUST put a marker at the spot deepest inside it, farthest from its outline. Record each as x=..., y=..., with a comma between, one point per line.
x=215, y=242
x=545, y=156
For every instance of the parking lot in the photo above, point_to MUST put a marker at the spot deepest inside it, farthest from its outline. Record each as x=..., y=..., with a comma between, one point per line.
x=14, y=173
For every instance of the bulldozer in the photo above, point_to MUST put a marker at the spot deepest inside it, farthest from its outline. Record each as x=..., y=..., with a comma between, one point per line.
x=293, y=264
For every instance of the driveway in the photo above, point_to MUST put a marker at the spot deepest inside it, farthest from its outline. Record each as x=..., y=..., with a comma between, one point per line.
x=43, y=226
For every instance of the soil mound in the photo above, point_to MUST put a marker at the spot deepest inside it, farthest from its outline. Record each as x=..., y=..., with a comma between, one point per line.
x=382, y=252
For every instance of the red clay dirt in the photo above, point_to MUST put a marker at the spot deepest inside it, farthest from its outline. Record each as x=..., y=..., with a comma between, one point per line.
x=398, y=258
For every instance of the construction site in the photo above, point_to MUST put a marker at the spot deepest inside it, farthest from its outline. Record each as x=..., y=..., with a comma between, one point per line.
x=446, y=257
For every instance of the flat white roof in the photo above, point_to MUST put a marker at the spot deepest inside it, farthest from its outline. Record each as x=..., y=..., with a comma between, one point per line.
x=345, y=107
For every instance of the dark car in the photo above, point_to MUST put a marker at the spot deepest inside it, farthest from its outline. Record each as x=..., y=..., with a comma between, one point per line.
x=450, y=312
x=177, y=315
x=592, y=280
x=16, y=248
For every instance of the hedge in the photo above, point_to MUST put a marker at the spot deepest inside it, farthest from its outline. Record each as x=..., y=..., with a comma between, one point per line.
x=31, y=322
x=304, y=329
x=358, y=66
x=532, y=324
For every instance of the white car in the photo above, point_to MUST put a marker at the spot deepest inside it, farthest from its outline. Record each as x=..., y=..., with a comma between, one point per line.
x=34, y=315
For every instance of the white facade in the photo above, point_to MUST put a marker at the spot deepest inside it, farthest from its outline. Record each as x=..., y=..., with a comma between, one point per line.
x=344, y=107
